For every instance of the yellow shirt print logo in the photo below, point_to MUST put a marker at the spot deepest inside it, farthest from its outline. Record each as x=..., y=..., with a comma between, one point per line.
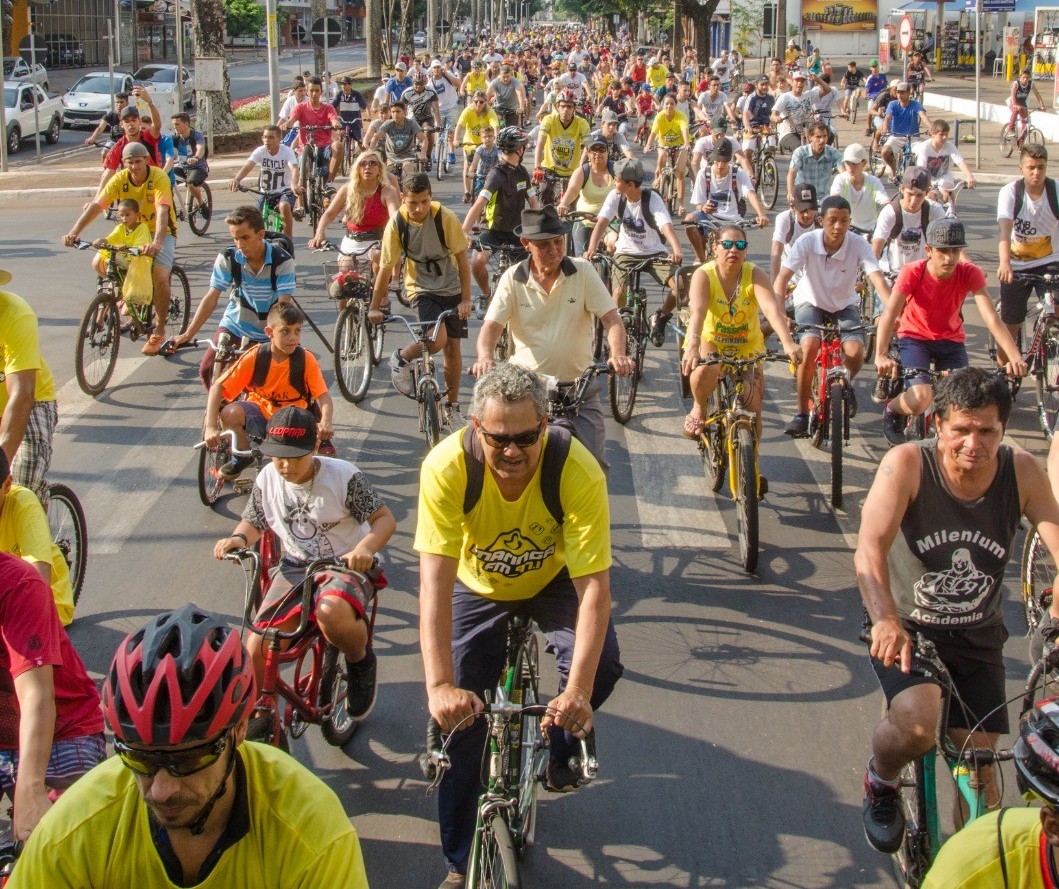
x=512, y=554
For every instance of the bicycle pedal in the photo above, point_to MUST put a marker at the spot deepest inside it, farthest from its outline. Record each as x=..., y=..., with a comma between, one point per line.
x=242, y=485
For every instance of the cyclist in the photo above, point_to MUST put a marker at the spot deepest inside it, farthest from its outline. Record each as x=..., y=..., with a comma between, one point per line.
x=574, y=81
x=350, y=105
x=792, y=112
x=815, y=162
x=110, y=123
x=852, y=87
x=473, y=119
x=928, y=298
x=398, y=84
x=297, y=96
x=936, y=533
x=1018, y=100
x=314, y=112
x=617, y=145
x=185, y=801
x=900, y=233
x=937, y=154
x=446, y=84
x=193, y=154
x=149, y=187
x=918, y=73
x=507, y=96
x=644, y=230
x=713, y=102
x=904, y=120
x=277, y=162
x=865, y=193
x=465, y=602
x=800, y=219
x=717, y=136
x=423, y=108
x=475, y=81
x=589, y=186
x=558, y=148
x=401, y=137
x=832, y=260
x=757, y=113
x=620, y=104
x=670, y=130
x=822, y=98
x=437, y=277
x=134, y=130
x=486, y=157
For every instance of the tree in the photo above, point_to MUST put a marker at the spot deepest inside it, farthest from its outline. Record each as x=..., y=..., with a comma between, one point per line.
x=207, y=26
x=372, y=36
x=243, y=17
x=747, y=20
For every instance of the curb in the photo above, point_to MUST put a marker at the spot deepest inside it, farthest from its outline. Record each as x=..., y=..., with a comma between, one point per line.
x=7, y=198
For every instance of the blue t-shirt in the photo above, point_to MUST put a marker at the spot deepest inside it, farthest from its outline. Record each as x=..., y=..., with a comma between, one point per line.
x=186, y=148
x=875, y=85
x=166, y=151
x=904, y=121
x=395, y=88
x=257, y=291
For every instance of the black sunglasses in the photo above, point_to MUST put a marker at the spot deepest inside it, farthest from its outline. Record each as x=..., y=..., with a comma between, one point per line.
x=728, y=244
x=180, y=765
x=521, y=440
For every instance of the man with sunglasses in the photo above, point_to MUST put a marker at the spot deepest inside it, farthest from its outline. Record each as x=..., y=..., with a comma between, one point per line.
x=515, y=552
x=185, y=801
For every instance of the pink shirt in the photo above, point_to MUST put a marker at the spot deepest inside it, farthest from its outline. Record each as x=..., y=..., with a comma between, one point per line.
x=324, y=116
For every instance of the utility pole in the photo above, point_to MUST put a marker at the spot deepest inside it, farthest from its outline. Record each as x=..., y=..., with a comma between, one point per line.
x=781, y=27
x=272, y=32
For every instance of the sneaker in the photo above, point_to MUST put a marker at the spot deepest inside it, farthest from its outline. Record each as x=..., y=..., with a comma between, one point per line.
x=234, y=467
x=659, y=320
x=852, y=402
x=867, y=132
x=884, y=822
x=798, y=427
x=430, y=167
x=453, y=881
x=454, y=416
x=298, y=213
x=560, y=778
x=327, y=448
x=452, y=158
x=401, y=373
x=893, y=425
x=881, y=392
x=762, y=487
x=361, y=686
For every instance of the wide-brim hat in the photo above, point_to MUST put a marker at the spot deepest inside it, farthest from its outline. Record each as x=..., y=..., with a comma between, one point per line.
x=541, y=225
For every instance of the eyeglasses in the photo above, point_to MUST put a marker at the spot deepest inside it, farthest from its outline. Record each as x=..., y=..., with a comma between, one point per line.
x=521, y=440
x=371, y=163
x=728, y=244
x=180, y=765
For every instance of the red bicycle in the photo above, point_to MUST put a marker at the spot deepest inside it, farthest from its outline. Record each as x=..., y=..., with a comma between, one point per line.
x=316, y=694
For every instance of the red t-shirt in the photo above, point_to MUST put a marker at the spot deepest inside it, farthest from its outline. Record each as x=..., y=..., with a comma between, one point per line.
x=932, y=307
x=113, y=159
x=31, y=637
x=324, y=116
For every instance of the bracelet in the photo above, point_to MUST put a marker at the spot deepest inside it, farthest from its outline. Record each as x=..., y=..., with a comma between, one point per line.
x=579, y=688
x=241, y=537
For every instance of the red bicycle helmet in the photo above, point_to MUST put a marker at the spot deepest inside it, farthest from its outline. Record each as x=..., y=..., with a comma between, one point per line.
x=183, y=677
x=566, y=95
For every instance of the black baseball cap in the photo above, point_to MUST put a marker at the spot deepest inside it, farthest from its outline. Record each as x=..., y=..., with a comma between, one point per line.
x=722, y=151
x=291, y=433
x=805, y=197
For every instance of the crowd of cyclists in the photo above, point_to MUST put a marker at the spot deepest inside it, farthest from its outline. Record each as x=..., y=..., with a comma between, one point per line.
x=513, y=517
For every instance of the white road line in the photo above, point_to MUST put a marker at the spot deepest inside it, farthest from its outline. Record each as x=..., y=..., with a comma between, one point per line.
x=74, y=404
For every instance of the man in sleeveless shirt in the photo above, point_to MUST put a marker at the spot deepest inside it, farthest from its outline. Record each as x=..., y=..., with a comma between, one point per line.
x=937, y=531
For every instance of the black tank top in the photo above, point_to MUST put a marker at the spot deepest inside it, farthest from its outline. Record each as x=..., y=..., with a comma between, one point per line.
x=1022, y=93
x=947, y=564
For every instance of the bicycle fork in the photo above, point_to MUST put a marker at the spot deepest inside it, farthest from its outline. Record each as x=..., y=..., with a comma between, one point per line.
x=740, y=419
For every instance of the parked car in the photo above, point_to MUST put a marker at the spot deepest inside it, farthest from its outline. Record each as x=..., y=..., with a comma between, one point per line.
x=419, y=38
x=162, y=79
x=18, y=69
x=64, y=51
x=89, y=99
x=22, y=122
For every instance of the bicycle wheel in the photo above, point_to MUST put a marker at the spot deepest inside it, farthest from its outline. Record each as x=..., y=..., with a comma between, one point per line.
x=532, y=751
x=353, y=354
x=854, y=105
x=337, y=727
x=176, y=319
x=769, y=183
x=261, y=727
x=913, y=859
x=668, y=190
x=313, y=197
x=211, y=482
x=200, y=212
x=96, y=351
x=836, y=425
x=746, y=497
x=496, y=865
x=1034, y=136
x=430, y=413
x=1007, y=140
x=1047, y=378
x=69, y=531
x=712, y=445
x=638, y=332
x=376, y=338
x=502, y=349
x=623, y=389
x=1037, y=574
x=876, y=164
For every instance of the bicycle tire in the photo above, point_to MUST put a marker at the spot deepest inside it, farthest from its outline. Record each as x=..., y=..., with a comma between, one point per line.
x=836, y=429
x=337, y=726
x=532, y=750
x=1034, y=137
x=200, y=212
x=622, y=390
x=769, y=182
x=211, y=482
x=496, y=864
x=1035, y=580
x=1007, y=140
x=746, y=497
x=912, y=861
x=312, y=209
x=96, y=351
x=378, y=340
x=261, y=727
x=1047, y=379
x=430, y=411
x=502, y=349
x=712, y=445
x=667, y=190
x=916, y=428
x=353, y=352
x=854, y=106
x=69, y=531
x=638, y=331
x=876, y=164
x=176, y=319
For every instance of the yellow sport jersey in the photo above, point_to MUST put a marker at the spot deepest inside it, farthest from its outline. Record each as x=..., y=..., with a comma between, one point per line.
x=971, y=857
x=671, y=132
x=475, y=82
x=24, y=532
x=510, y=550
x=562, y=148
x=656, y=76
x=473, y=123
x=155, y=192
x=732, y=326
x=20, y=346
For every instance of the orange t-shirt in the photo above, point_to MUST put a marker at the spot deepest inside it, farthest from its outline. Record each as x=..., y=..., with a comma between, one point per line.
x=276, y=392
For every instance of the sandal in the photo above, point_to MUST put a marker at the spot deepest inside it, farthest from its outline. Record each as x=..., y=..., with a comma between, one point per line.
x=153, y=345
x=692, y=427
x=466, y=197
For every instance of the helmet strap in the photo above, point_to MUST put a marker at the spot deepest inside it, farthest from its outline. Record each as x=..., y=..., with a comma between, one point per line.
x=197, y=826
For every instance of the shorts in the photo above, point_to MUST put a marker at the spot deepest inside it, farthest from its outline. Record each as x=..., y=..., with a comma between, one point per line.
x=191, y=175
x=944, y=354
x=896, y=143
x=702, y=216
x=509, y=117
x=33, y=457
x=976, y=664
x=430, y=307
x=810, y=314
x=167, y=255
x=450, y=117
x=1014, y=296
x=945, y=182
x=358, y=247
x=68, y=761
x=255, y=424
x=283, y=600
x=276, y=198
x=623, y=261
x=491, y=238
x=354, y=129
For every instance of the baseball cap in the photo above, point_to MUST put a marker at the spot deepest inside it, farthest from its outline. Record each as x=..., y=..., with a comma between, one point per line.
x=764, y=78
x=630, y=169
x=129, y=111
x=436, y=63
x=596, y=141
x=855, y=153
x=902, y=86
x=345, y=80
x=609, y=116
x=916, y=178
x=722, y=151
x=874, y=63
x=401, y=66
x=719, y=123
x=653, y=60
x=946, y=233
x=805, y=197
x=799, y=75
x=291, y=433
x=134, y=149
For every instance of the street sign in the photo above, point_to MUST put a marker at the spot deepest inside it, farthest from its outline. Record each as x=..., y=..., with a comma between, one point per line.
x=327, y=31
x=209, y=74
x=904, y=33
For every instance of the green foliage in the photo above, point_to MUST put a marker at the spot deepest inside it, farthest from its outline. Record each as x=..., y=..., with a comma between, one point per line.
x=243, y=17
x=747, y=19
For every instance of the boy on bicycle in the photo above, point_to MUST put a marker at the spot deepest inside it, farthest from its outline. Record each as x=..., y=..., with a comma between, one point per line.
x=130, y=231
x=318, y=508
x=277, y=162
x=938, y=155
x=271, y=375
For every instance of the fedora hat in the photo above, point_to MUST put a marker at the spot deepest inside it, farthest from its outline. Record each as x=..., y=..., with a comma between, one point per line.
x=541, y=225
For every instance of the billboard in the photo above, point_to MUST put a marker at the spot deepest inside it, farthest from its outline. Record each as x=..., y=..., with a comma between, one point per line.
x=852, y=15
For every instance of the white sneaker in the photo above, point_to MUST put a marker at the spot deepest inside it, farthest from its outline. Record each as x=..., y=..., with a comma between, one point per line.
x=401, y=373
x=454, y=416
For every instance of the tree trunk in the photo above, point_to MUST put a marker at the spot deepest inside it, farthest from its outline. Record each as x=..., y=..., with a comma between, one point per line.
x=431, y=25
x=207, y=25
x=372, y=27
x=317, y=11
x=404, y=41
x=702, y=15
x=678, y=31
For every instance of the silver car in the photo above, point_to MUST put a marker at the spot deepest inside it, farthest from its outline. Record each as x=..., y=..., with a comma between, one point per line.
x=89, y=99
x=162, y=79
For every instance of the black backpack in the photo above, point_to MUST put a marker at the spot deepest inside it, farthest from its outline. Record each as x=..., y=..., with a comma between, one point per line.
x=899, y=219
x=279, y=256
x=556, y=450
x=1049, y=189
x=295, y=370
x=645, y=203
x=402, y=229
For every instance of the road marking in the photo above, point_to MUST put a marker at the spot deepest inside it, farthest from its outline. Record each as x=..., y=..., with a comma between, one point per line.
x=74, y=403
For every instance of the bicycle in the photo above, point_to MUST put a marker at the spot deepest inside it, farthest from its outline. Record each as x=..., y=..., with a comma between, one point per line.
x=69, y=531
x=551, y=187
x=763, y=160
x=314, y=177
x=197, y=211
x=269, y=205
x=211, y=482
x=99, y=334
x=441, y=152
x=316, y=694
x=950, y=200
x=666, y=179
x=903, y=159
x=501, y=259
x=351, y=147
x=565, y=399
x=506, y=823
x=1024, y=133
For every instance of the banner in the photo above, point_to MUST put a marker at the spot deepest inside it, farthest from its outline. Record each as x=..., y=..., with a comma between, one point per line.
x=855, y=15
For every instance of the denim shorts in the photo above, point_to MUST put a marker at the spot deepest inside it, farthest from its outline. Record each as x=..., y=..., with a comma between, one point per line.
x=848, y=317
x=945, y=355
x=68, y=761
x=167, y=255
x=256, y=424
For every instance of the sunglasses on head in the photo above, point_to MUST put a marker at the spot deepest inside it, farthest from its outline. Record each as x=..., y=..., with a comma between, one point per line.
x=180, y=765
x=728, y=244
x=520, y=440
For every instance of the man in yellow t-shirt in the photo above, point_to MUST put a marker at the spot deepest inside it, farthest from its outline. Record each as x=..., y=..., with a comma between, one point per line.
x=28, y=414
x=473, y=119
x=656, y=73
x=559, y=143
x=536, y=543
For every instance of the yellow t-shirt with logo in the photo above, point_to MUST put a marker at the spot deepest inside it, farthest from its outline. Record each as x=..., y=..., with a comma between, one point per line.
x=473, y=123
x=24, y=533
x=510, y=550
x=155, y=192
x=732, y=327
x=476, y=82
x=20, y=347
x=562, y=149
x=971, y=860
x=656, y=76
x=671, y=132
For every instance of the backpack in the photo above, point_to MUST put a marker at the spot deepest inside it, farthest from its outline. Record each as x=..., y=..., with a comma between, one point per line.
x=1049, y=189
x=402, y=229
x=790, y=234
x=279, y=256
x=899, y=219
x=645, y=202
x=740, y=203
x=295, y=370
x=556, y=450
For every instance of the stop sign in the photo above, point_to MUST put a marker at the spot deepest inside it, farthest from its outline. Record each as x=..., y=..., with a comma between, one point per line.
x=904, y=33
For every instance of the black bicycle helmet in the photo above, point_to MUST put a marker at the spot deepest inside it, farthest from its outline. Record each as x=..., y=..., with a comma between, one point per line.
x=1037, y=753
x=511, y=139
x=946, y=233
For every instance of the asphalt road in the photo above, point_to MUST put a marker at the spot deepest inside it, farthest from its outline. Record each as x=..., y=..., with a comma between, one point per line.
x=733, y=749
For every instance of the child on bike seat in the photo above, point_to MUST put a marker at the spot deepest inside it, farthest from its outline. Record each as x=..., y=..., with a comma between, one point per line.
x=130, y=231
x=318, y=508
x=271, y=375
x=486, y=156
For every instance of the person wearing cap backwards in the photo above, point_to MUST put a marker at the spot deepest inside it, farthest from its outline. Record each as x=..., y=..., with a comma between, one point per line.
x=643, y=223
x=814, y=163
x=350, y=104
x=670, y=129
x=866, y=193
x=757, y=112
x=507, y=96
x=832, y=260
x=792, y=112
x=150, y=188
x=446, y=84
x=656, y=74
x=901, y=237
x=928, y=299
x=799, y=220
x=185, y=802
x=904, y=120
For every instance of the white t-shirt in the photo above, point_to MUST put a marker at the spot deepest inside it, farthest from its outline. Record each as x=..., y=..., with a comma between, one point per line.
x=866, y=203
x=635, y=236
x=575, y=81
x=446, y=92
x=721, y=192
x=706, y=144
x=380, y=99
x=493, y=57
x=939, y=162
x=722, y=68
x=1035, y=234
x=797, y=108
x=909, y=245
x=274, y=167
x=829, y=281
x=782, y=234
x=821, y=103
x=710, y=106
x=288, y=107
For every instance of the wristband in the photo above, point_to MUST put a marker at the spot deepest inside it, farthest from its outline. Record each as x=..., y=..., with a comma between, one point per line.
x=241, y=537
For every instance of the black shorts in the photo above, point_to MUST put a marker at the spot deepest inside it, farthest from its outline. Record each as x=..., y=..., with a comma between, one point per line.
x=509, y=117
x=975, y=660
x=491, y=238
x=431, y=305
x=191, y=175
x=1015, y=296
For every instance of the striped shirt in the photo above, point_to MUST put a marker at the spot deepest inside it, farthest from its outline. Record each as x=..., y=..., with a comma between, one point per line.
x=258, y=296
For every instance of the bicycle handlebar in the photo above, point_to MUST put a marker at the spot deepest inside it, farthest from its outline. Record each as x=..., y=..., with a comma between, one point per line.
x=566, y=398
x=81, y=244
x=232, y=449
x=417, y=328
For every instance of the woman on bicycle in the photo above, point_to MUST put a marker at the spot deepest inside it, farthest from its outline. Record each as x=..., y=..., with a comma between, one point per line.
x=670, y=129
x=1018, y=101
x=589, y=186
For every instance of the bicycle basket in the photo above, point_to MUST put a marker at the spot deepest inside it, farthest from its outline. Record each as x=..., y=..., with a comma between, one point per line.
x=346, y=283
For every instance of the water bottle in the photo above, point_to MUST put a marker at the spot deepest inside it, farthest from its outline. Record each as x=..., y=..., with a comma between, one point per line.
x=1049, y=303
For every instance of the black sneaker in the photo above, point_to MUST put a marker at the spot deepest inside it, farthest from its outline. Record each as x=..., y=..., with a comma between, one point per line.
x=234, y=467
x=881, y=392
x=893, y=425
x=361, y=686
x=657, y=334
x=762, y=487
x=852, y=402
x=884, y=822
x=798, y=427
x=560, y=778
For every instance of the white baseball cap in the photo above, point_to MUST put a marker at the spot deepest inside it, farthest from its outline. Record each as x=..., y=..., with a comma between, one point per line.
x=855, y=153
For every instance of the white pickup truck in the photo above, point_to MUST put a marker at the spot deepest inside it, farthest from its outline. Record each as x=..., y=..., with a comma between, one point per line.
x=17, y=68
x=20, y=119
